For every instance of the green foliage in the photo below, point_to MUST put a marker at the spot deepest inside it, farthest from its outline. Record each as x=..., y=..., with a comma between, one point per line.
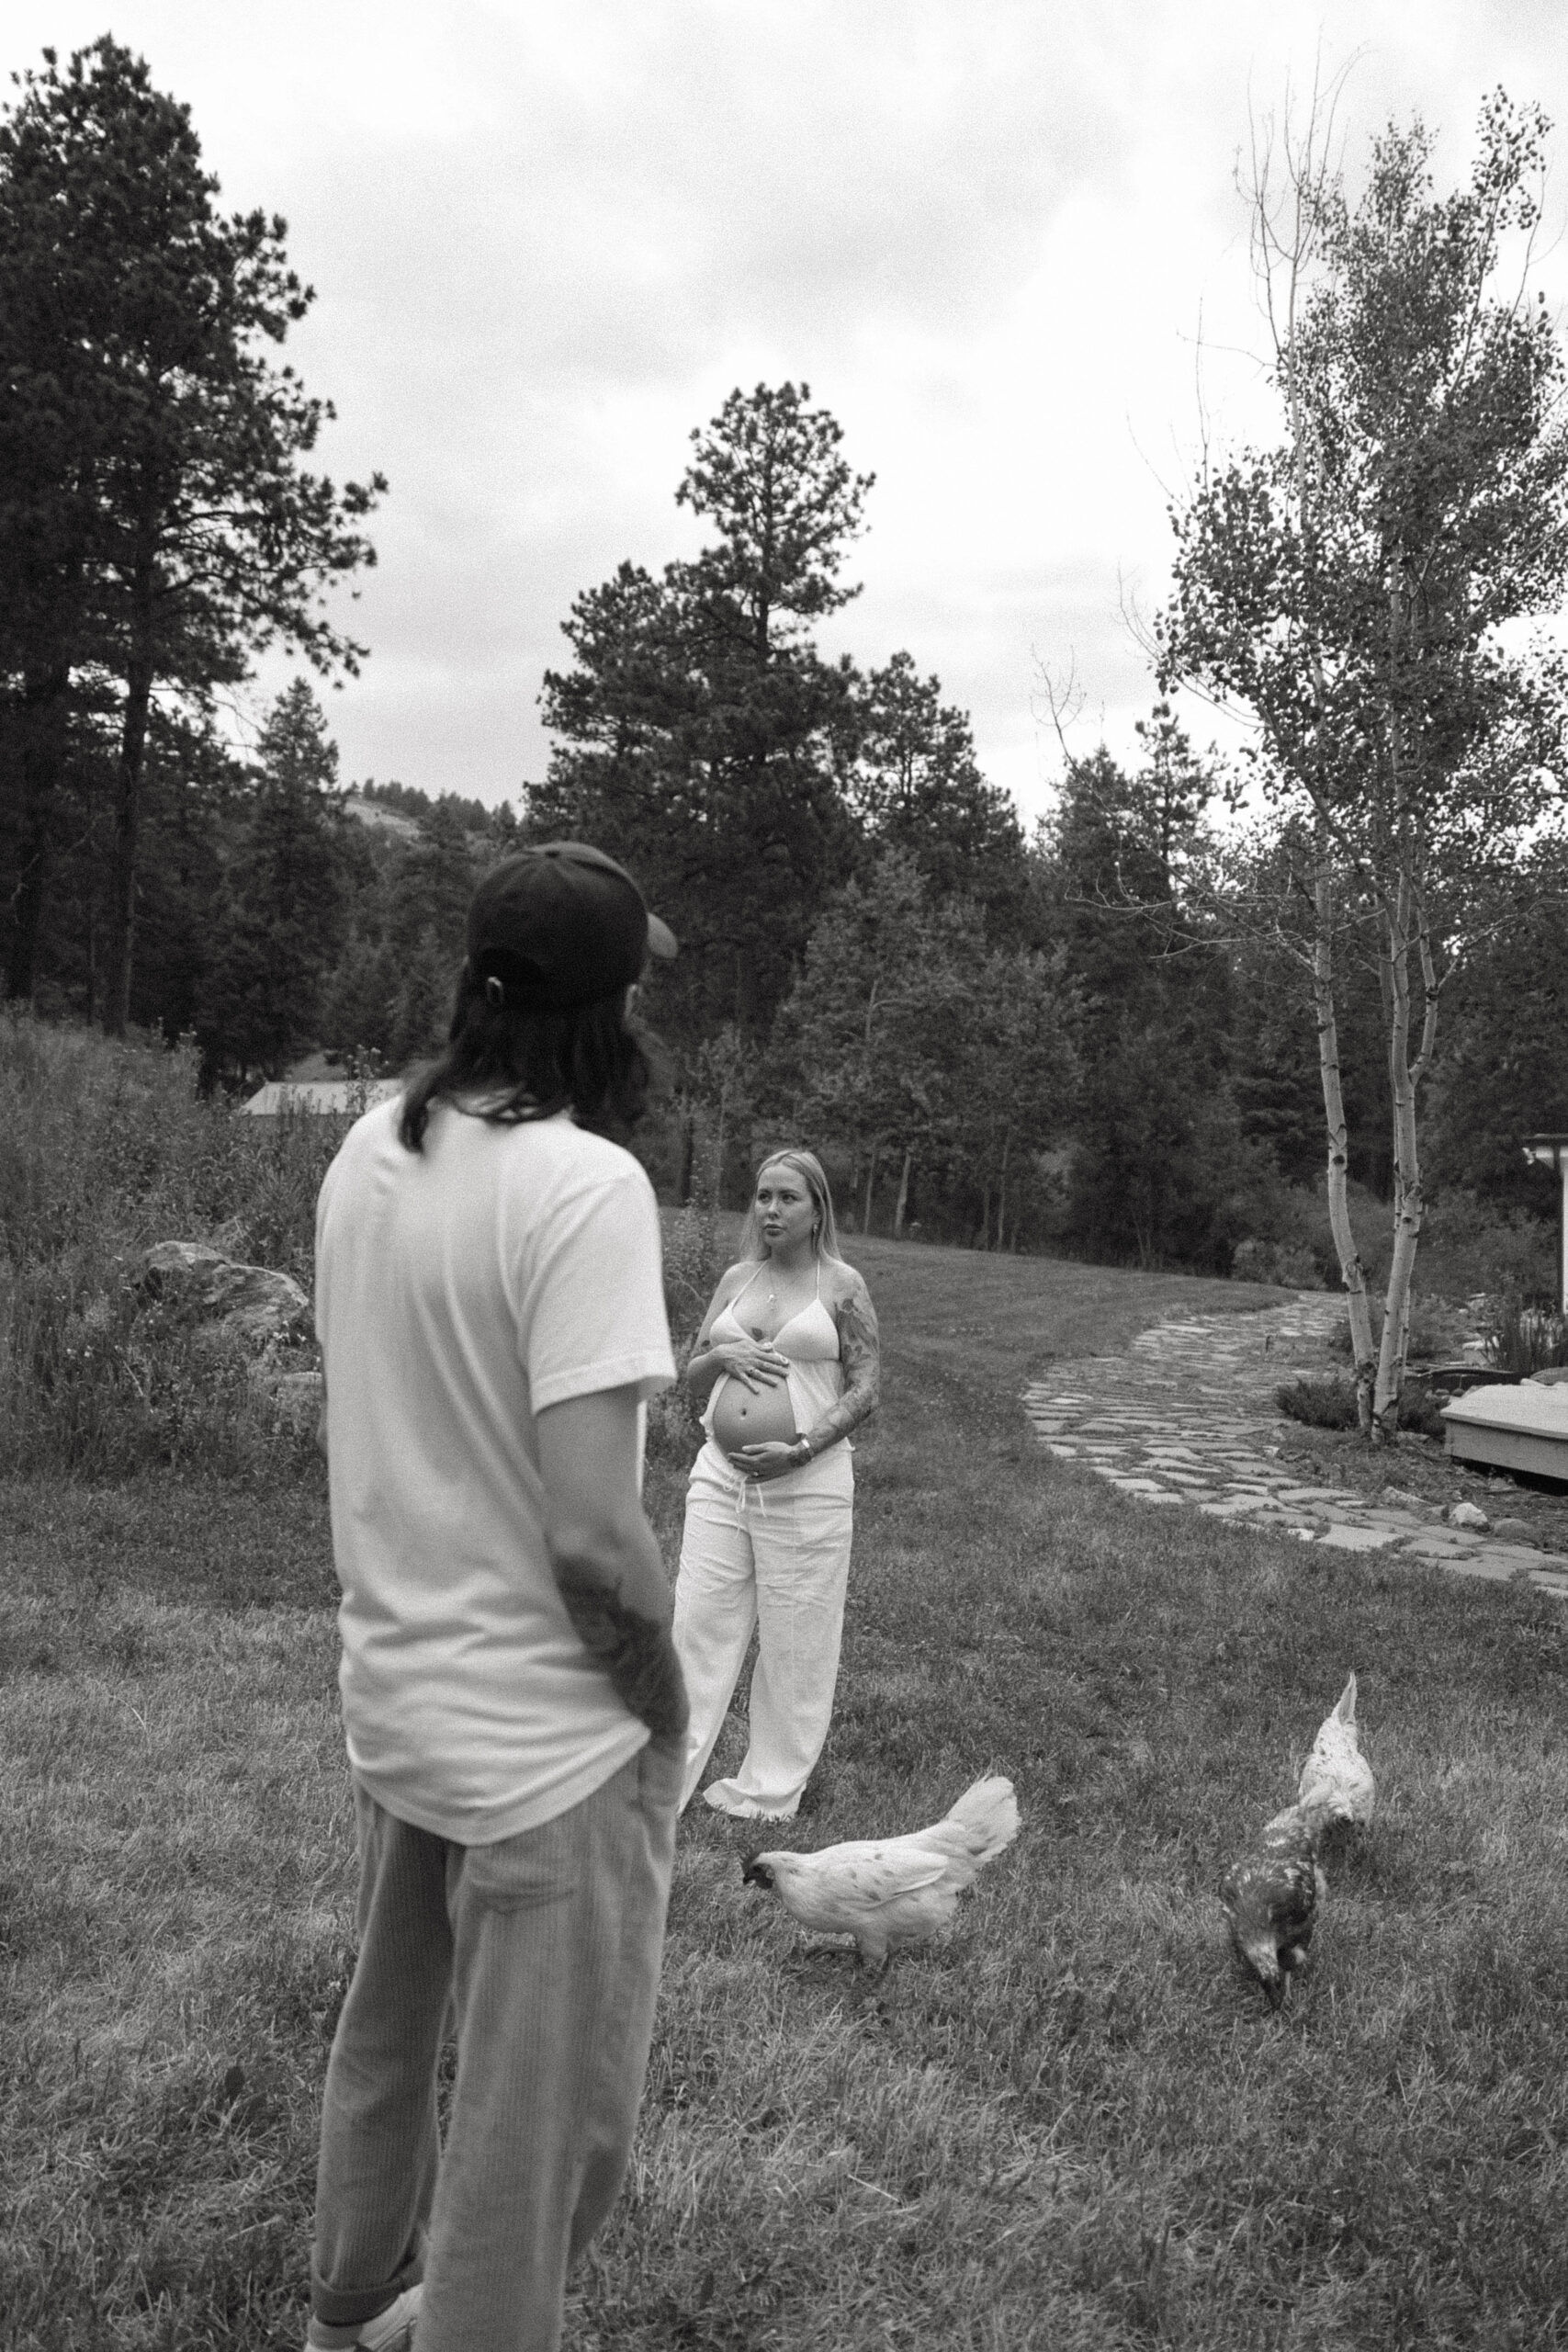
x=278, y=933
x=1160, y=1173
x=905, y=1040
x=473, y=815
x=1427, y=1339
x=699, y=727
x=1419, y=1413
x=104, y=1149
x=1468, y=1244
x=1523, y=1339
x=1503, y=1074
x=698, y=1244
x=1351, y=587
x=916, y=787
x=1323, y=1400
x=156, y=525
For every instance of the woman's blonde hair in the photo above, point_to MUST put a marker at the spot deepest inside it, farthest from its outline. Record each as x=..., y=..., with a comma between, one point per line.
x=824, y=1230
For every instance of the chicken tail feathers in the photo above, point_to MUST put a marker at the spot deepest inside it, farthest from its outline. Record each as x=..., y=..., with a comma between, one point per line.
x=1345, y=1705
x=986, y=1816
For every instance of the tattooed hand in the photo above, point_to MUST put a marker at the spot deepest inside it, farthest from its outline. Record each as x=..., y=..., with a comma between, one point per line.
x=635, y=1651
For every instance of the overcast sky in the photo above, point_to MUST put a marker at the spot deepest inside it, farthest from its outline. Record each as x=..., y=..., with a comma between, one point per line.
x=546, y=241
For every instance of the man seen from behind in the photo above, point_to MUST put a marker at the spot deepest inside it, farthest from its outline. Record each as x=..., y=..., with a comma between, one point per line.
x=490, y=1306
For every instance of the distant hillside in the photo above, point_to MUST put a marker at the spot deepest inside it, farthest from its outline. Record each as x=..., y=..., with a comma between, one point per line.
x=399, y=808
x=380, y=818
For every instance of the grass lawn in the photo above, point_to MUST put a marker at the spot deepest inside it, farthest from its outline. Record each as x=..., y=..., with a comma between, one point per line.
x=1072, y=2125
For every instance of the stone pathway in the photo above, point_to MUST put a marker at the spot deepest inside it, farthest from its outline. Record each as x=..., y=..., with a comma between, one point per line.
x=1188, y=1416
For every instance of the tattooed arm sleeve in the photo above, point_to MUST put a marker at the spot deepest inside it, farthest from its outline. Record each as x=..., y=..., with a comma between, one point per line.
x=861, y=1355
x=603, y=1554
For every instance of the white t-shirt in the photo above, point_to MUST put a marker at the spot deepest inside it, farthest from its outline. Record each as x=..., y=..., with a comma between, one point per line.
x=459, y=1291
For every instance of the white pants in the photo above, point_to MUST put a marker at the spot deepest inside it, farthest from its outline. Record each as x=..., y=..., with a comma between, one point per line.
x=774, y=1555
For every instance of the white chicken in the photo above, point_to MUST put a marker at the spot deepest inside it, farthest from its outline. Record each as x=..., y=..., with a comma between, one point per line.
x=890, y=1893
x=1337, y=1779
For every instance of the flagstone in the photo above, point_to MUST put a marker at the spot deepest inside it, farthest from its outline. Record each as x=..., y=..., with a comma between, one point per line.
x=1180, y=1420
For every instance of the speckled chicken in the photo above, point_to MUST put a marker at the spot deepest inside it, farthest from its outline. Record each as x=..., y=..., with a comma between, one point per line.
x=891, y=1892
x=1271, y=1896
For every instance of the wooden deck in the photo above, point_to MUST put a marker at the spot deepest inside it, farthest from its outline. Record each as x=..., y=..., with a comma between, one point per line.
x=1523, y=1428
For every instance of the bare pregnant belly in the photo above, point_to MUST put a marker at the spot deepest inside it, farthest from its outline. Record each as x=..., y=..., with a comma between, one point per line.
x=742, y=1416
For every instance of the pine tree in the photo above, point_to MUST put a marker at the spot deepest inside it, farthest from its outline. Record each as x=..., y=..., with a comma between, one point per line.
x=286, y=906
x=156, y=525
x=700, y=733
x=917, y=787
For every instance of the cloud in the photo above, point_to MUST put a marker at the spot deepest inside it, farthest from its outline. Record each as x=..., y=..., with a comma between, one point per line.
x=1001, y=242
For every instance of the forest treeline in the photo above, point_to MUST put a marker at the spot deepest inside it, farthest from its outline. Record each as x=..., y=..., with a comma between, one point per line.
x=1082, y=1036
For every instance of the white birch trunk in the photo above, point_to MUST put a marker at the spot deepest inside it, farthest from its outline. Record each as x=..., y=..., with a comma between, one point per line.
x=1352, y=1273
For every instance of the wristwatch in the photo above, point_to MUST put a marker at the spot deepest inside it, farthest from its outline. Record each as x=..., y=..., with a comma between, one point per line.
x=801, y=1452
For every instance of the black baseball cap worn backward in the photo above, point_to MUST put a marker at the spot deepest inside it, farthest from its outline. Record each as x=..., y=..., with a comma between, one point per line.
x=560, y=925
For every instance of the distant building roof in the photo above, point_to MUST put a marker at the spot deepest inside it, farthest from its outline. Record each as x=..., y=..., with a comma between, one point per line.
x=320, y=1097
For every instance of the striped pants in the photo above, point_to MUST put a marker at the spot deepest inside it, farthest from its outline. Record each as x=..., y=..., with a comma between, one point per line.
x=547, y=1948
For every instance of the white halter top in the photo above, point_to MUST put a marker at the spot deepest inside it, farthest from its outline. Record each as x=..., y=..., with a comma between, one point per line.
x=809, y=1340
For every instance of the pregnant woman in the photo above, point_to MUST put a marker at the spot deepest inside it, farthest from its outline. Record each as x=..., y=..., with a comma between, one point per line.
x=787, y=1360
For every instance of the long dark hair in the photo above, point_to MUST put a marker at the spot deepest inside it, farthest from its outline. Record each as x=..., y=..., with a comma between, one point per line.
x=523, y=1062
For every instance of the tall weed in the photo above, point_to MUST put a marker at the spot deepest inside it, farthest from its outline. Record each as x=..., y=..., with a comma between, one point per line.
x=105, y=1149
x=1525, y=1340
x=696, y=1254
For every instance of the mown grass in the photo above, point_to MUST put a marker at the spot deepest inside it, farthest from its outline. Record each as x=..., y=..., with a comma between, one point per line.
x=1071, y=2125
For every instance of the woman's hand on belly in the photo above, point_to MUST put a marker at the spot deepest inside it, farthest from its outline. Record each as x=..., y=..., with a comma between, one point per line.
x=751, y=1418
x=768, y=1460
x=755, y=1363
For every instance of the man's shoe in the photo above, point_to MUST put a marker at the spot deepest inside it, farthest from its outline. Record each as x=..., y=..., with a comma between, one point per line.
x=389, y=2331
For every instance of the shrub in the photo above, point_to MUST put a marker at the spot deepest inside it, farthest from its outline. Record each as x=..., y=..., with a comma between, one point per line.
x=1294, y=1268
x=696, y=1254
x=106, y=1147
x=1469, y=1246
x=1426, y=1339
x=695, y=1257
x=1288, y=1238
x=1523, y=1339
x=1328, y=1402
x=1418, y=1412
x=1324, y=1401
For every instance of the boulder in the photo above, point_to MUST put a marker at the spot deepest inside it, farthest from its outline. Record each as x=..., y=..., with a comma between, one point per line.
x=1468, y=1515
x=255, y=1305
x=1552, y=1377
x=1514, y=1531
